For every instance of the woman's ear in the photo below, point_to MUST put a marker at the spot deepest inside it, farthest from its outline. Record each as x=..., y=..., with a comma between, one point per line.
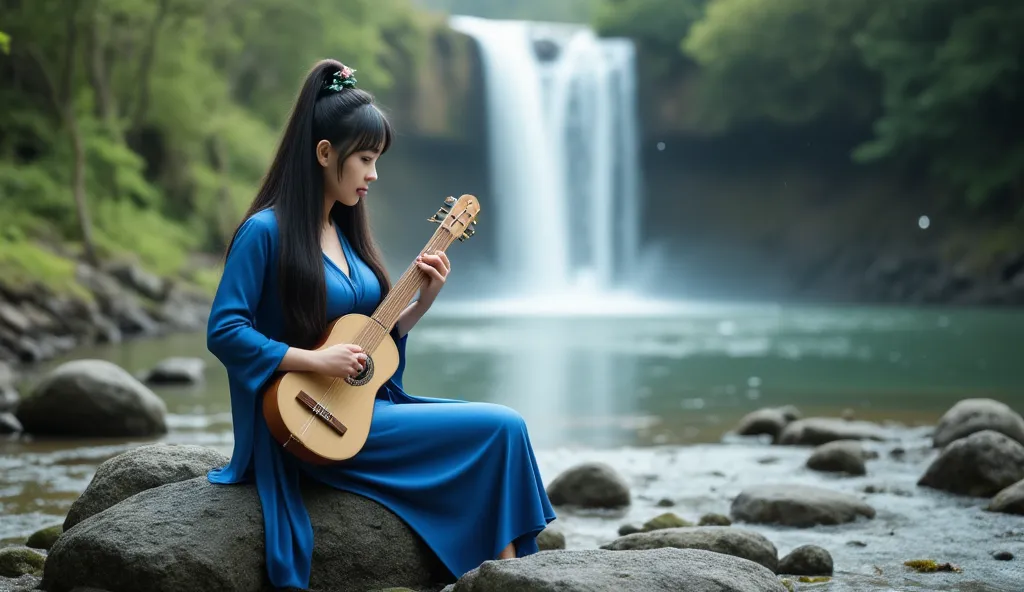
x=323, y=153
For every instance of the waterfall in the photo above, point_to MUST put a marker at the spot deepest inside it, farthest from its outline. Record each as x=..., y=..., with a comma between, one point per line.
x=562, y=127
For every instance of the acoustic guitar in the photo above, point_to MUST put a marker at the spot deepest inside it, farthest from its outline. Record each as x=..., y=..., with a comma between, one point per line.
x=321, y=419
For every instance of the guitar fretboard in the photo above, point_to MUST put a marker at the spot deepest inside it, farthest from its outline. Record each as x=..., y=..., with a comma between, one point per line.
x=400, y=295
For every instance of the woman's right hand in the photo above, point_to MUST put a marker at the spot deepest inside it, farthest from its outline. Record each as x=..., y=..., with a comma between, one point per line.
x=339, y=361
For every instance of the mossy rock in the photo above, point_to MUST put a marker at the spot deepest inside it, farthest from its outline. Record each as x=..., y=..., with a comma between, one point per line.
x=18, y=561
x=813, y=579
x=666, y=520
x=930, y=566
x=45, y=538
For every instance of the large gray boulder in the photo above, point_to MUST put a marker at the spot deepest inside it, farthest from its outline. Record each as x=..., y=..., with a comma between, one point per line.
x=194, y=535
x=797, y=505
x=815, y=431
x=737, y=542
x=768, y=421
x=176, y=370
x=981, y=464
x=839, y=456
x=589, y=485
x=92, y=398
x=1009, y=500
x=656, y=570
x=970, y=416
x=139, y=469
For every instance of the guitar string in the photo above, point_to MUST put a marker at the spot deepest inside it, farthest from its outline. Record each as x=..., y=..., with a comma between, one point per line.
x=389, y=307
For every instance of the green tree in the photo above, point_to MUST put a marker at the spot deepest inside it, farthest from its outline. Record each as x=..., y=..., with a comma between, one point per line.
x=142, y=127
x=938, y=82
x=952, y=90
x=657, y=26
x=785, y=61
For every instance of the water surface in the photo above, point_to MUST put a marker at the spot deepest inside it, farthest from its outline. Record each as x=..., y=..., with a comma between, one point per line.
x=652, y=392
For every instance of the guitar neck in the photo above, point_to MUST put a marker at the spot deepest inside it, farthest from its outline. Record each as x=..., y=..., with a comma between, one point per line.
x=402, y=293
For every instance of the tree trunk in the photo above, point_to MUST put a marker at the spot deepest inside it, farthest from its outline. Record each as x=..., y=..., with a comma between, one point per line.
x=78, y=184
x=65, y=102
x=97, y=70
x=145, y=64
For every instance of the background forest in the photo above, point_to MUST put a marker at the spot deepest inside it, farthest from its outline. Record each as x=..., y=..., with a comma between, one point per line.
x=134, y=128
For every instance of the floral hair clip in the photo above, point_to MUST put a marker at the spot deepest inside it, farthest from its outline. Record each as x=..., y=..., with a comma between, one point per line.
x=341, y=79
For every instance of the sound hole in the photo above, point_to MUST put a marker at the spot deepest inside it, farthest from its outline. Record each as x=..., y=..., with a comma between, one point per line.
x=364, y=376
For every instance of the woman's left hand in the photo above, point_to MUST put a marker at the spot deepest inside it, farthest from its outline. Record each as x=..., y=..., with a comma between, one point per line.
x=437, y=267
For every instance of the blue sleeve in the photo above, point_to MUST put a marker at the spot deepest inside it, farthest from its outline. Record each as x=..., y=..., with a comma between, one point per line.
x=250, y=357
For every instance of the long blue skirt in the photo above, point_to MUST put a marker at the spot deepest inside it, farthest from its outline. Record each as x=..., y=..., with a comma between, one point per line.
x=461, y=474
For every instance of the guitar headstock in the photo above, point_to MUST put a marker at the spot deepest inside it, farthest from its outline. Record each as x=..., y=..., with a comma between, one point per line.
x=460, y=217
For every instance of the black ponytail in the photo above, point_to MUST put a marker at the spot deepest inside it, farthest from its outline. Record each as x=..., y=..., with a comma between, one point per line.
x=293, y=186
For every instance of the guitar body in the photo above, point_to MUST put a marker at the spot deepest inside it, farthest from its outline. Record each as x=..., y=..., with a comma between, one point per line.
x=320, y=419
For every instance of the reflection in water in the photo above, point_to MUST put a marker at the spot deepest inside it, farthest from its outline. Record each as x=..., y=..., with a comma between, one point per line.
x=574, y=385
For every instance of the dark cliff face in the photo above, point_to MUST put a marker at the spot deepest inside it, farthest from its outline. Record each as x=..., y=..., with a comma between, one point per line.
x=759, y=214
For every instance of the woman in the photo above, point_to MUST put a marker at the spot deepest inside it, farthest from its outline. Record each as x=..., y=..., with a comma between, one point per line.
x=303, y=256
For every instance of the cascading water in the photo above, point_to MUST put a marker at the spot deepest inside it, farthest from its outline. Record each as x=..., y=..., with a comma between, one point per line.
x=564, y=156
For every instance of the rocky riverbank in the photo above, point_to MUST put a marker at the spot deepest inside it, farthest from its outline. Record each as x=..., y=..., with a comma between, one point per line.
x=783, y=502
x=120, y=301
x=907, y=277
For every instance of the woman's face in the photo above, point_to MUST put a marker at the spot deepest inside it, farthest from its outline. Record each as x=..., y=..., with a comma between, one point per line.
x=357, y=172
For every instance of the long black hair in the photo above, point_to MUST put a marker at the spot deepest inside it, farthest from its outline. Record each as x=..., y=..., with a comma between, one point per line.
x=294, y=187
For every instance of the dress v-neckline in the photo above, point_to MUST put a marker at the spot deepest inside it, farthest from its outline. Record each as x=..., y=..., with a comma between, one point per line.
x=344, y=253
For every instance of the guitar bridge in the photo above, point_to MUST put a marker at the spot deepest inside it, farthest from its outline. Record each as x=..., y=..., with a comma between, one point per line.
x=322, y=413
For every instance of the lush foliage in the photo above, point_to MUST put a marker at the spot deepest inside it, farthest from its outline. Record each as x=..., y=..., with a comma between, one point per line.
x=578, y=11
x=937, y=83
x=141, y=127
x=657, y=26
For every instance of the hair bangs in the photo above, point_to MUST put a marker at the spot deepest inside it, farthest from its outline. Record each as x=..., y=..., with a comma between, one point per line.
x=371, y=131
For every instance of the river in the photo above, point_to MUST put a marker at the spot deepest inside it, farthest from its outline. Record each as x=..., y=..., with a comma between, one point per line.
x=654, y=394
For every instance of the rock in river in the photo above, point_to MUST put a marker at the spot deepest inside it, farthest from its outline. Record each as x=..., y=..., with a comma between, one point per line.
x=719, y=539
x=974, y=415
x=815, y=431
x=981, y=464
x=590, y=485
x=797, y=505
x=840, y=456
x=92, y=398
x=1009, y=500
x=656, y=570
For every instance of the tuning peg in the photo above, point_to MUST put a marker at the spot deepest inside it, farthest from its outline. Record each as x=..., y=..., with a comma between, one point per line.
x=438, y=216
x=449, y=201
x=467, y=234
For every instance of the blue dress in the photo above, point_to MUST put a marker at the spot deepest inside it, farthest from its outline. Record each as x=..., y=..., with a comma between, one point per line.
x=467, y=491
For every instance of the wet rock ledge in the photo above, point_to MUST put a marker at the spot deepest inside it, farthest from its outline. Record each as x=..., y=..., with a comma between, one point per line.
x=108, y=305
